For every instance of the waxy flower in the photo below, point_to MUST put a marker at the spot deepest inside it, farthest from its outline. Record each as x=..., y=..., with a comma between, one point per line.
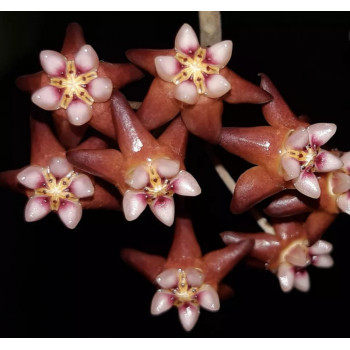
x=56, y=188
x=294, y=246
x=188, y=279
x=185, y=290
x=145, y=170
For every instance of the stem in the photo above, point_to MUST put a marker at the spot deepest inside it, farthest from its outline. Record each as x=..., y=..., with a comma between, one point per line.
x=210, y=27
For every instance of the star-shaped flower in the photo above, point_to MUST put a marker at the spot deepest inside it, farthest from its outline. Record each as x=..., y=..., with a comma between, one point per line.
x=287, y=153
x=193, y=80
x=52, y=184
x=76, y=86
x=187, y=279
x=294, y=247
x=145, y=170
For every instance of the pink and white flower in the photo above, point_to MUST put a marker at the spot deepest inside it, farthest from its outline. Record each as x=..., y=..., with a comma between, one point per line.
x=195, y=70
x=74, y=84
x=155, y=183
x=294, y=261
x=185, y=290
x=56, y=188
x=304, y=156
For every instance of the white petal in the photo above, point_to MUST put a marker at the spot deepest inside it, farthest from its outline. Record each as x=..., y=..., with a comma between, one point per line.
x=340, y=182
x=343, y=202
x=308, y=185
x=185, y=184
x=134, y=203
x=326, y=161
x=298, y=139
x=32, y=177
x=290, y=166
x=345, y=158
x=209, y=298
x=186, y=92
x=323, y=261
x=37, y=207
x=168, y=278
x=320, y=133
x=321, y=247
x=302, y=281
x=100, y=89
x=216, y=86
x=86, y=59
x=53, y=62
x=220, y=53
x=167, y=167
x=164, y=209
x=60, y=167
x=79, y=112
x=188, y=314
x=138, y=178
x=285, y=275
x=297, y=256
x=167, y=67
x=161, y=302
x=70, y=213
x=186, y=40
x=48, y=98
x=194, y=277
x=82, y=186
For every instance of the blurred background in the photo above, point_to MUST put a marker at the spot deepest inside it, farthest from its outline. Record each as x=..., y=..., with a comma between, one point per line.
x=56, y=282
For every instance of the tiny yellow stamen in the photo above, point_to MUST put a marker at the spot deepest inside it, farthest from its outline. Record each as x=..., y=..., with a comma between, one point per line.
x=183, y=292
x=306, y=157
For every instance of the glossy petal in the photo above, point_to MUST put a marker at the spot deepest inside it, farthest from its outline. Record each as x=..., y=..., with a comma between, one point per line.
x=161, y=302
x=32, y=177
x=302, y=281
x=298, y=139
x=53, y=62
x=320, y=133
x=164, y=209
x=186, y=40
x=297, y=256
x=134, y=203
x=340, y=183
x=324, y=261
x=48, y=98
x=167, y=67
x=321, y=247
x=343, y=202
x=37, y=207
x=285, y=275
x=70, y=213
x=326, y=161
x=100, y=89
x=60, y=167
x=291, y=167
x=219, y=54
x=188, y=315
x=79, y=113
x=195, y=277
x=308, y=185
x=186, y=92
x=185, y=184
x=86, y=59
x=216, y=86
x=139, y=178
x=209, y=298
x=167, y=167
x=82, y=186
x=168, y=279
x=345, y=158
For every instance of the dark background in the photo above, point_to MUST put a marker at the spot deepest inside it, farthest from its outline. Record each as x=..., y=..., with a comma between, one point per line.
x=56, y=282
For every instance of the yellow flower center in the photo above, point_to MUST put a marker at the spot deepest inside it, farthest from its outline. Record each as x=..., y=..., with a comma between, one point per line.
x=194, y=69
x=183, y=292
x=56, y=191
x=74, y=85
x=307, y=157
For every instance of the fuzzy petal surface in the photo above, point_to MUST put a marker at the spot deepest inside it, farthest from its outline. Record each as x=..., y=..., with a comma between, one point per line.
x=326, y=161
x=195, y=278
x=164, y=209
x=216, y=86
x=167, y=67
x=324, y=261
x=186, y=40
x=285, y=275
x=340, y=183
x=70, y=213
x=168, y=279
x=37, y=207
x=320, y=133
x=220, y=53
x=134, y=203
x=86, y=59
x=186, y=92
x=100, y=89
x=308, y=185
x=302, y=281
x=167, y=167
x=32, y=177
x=185, y=184
x=79, y=113
x=82, y=186
x=47, y=98
x=161, y=302
x=208, y=298
x=188, y=315
x=291, y=167
x=298, y=139
x=53, y=62
x=321, y=247
x=139, y=178
x=60, y=167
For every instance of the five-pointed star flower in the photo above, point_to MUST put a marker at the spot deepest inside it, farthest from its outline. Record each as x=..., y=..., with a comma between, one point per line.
x=76, y=86
x=193, y=80
x=187, y=279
